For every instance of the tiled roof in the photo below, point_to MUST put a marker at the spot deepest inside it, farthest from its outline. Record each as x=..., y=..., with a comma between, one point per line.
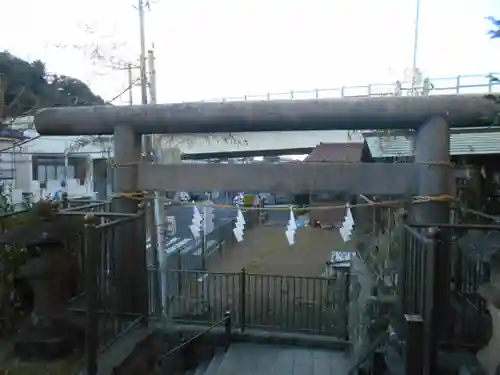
x=336, y=152
x=466, y=143
x=12, y=134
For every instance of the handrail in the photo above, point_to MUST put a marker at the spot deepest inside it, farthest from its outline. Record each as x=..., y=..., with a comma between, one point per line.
x=480, y=214
x=87, y=206
x=227, y=323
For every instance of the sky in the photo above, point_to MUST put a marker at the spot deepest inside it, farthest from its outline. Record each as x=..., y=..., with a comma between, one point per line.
x=208, y=49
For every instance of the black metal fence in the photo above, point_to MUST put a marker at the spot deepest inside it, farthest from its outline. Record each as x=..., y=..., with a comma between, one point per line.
x=438, y=270
x=286, y=303
x=185, y=255
x=193, y=254
x=441, y=269
x=97, y=294
x=417, y=270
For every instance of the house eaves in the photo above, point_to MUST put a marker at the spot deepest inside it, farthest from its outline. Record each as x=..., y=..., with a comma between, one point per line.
x=466, y=143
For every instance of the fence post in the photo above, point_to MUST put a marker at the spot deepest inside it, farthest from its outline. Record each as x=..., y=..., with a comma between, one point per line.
x=243, y=293
x=179, y=271
x=203, y=239
x=227, y=327
x=379, y=365
x=91, y=326
x=220, y=240
x=347, y=290
x=401, y=285
x=433, y=298
x=65, y=200
x=143, y=277
x=414, y=345
x=156, y=280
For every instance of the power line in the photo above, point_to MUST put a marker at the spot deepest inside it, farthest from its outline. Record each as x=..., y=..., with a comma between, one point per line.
x=129, y=87
x=18, y=144
x=418, y=199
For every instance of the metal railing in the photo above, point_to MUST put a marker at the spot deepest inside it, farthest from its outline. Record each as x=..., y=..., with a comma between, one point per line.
x=438, y=282
x=462, y=84
x=287, y=303
x=417, y=271
x=371, y=358
x=106, y=320
x=173, y=362
x=463, y=267
x=437, y=279
x=192, y=255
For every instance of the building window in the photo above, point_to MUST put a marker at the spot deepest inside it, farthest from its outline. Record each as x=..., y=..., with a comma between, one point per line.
x=328, y=197
x=53, y=168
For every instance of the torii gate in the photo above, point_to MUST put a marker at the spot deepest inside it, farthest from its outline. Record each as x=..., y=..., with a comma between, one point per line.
x=430, y=175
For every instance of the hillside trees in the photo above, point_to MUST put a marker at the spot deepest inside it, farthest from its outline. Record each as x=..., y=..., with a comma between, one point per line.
x=26, y=86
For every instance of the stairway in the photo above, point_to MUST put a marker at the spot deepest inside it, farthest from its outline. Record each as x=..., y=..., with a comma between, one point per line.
x=261, y=359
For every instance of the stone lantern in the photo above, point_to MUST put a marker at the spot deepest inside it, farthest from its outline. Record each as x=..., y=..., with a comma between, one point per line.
x=51, y=333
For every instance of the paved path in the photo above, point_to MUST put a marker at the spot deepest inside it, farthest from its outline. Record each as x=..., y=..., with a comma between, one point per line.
x=258, y=359
x=266, y=250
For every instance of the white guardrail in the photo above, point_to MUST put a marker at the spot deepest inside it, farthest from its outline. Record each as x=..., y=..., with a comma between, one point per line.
x=463, y=84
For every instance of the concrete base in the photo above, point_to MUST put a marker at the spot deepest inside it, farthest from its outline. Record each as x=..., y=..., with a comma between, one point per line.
x=489, y=356
x=260, y=337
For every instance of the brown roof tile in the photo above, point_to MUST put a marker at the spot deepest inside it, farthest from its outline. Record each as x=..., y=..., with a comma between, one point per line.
x=336, y=152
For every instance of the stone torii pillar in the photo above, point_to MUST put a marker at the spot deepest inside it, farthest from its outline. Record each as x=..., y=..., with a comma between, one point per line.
x=432, y=145
x=432, y=154
x=128, y=257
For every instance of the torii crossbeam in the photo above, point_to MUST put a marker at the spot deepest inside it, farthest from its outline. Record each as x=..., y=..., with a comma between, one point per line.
x=288, y=115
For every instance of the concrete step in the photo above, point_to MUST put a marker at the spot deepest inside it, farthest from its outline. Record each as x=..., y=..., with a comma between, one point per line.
x=202, y=367
x=264, y=359
x=217, y=359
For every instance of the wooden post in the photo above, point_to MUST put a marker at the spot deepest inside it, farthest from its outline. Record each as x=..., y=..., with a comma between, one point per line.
x=243, y=292
x=92, y=326
x=414, y=345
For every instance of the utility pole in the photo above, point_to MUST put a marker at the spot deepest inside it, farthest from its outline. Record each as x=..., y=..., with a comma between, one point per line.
x=130, y=84
x=2, y=99
x=157, y=216
x=142, y=62
x=152, y=77
x=415, y=49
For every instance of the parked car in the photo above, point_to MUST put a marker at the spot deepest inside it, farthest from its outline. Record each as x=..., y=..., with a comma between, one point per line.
x=238, y=198
x=267, y=198
x=246, y=198
x=183, y=196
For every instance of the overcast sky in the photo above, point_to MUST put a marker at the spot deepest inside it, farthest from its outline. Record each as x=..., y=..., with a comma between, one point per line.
x=215, y=48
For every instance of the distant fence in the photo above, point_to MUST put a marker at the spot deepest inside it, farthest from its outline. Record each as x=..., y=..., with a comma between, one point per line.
x=465, y=84
x=193, y=254
x=286, y=303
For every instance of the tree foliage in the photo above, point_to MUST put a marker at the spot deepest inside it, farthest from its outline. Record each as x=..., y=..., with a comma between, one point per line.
x=495, y=31
x=26, y=86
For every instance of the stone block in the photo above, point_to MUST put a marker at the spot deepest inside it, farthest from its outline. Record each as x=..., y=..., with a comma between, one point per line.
x=489, y=356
